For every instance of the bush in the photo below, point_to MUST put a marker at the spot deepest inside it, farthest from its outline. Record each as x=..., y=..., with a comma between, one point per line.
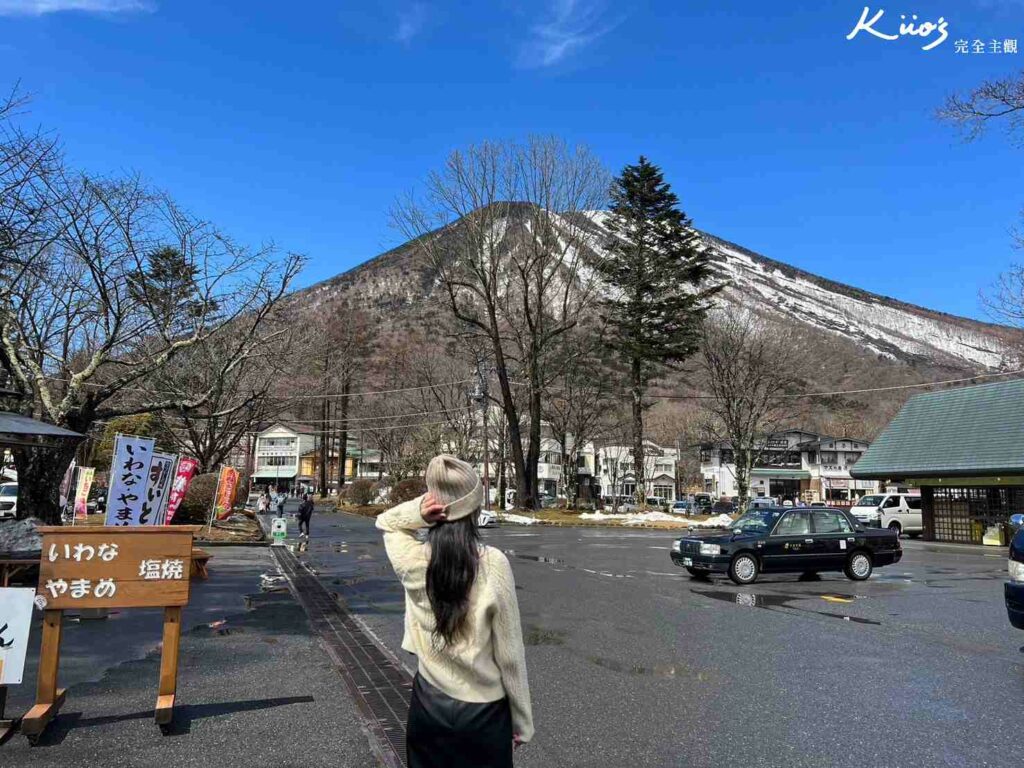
x=407, y=490
x=195, y=507
x=361, y=492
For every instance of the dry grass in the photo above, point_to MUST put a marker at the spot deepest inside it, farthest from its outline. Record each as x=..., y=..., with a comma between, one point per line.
x=241, y=532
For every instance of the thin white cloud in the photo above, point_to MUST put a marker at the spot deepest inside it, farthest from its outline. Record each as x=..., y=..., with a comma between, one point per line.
x=571, y=26
x=42, y=7
x=411, y=21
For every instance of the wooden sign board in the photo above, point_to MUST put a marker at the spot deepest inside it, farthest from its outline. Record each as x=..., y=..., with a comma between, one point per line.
x=110, y=567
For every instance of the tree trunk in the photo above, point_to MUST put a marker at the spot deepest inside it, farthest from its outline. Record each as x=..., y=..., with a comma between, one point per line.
x=638, y=435
x=343, y=440
x=40, y=473
x=743, y=467
x=533, y=453
x=501, y=467
x=325, y=446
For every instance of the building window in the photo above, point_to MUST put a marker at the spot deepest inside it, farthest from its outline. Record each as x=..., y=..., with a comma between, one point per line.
x=277, y=442
x=852, y=458
x=828, y=457
x=705, y=455
x=629, y=489
x=664, y=492
x=964, y=514
x=728, y=457
x=277, y=461
x=812, y=457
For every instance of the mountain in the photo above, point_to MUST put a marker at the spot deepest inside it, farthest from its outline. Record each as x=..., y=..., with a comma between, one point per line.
x=403, y=292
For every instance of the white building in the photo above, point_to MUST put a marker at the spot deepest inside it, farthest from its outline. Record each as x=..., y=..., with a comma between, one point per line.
x=276, y=457
x=616, y=476
x=791, y=465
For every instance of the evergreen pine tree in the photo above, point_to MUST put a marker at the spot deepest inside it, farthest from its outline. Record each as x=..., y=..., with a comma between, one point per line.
x=660, y=288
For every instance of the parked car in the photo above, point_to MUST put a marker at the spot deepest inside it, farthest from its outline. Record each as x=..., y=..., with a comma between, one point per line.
x=8, y=500
x=97, y=501
x=487, y=519
x=899, y=512
x=722, y=507
x=789, y=540
x=682, y=507
x=761, y=502
x=1013, y=589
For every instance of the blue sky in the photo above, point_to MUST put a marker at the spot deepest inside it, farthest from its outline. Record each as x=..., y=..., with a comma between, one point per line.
x=302, y=122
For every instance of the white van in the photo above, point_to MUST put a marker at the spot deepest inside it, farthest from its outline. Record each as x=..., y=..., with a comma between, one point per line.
x=899, y=512
x=8, y=500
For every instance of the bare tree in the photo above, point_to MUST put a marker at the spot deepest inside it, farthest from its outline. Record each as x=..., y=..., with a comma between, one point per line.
x=506, y=230
x=103, y=285
x=238, y=403
x=749, y=366
x=577, y=404
x=994, y=100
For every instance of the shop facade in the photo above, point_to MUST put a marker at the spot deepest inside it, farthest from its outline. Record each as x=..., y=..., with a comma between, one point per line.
x=964, y=449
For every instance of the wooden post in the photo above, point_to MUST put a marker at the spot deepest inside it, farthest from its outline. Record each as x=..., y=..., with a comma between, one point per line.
x=164, y=710
x=6, y=724
x=48, y=697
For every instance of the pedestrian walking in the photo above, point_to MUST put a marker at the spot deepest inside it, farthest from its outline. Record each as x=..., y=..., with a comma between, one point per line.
x=280, y=504
x=470, y=703
x=305, y=514
x=263, y=503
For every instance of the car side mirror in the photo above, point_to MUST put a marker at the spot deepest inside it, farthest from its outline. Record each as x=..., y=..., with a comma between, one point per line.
x=1017, y=521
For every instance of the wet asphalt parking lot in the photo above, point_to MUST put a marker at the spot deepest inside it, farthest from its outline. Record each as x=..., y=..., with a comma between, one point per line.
x=633, y=663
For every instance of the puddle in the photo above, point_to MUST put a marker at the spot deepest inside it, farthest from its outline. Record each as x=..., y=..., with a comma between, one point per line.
x=770, y=601
x=541, y=636
x=534, y=558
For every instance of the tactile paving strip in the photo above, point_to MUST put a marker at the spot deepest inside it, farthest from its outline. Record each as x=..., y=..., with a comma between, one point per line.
x=380, y=687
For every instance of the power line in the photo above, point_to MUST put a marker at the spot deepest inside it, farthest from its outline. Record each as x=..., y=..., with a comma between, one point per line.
x=365, y=393
x=856, y=391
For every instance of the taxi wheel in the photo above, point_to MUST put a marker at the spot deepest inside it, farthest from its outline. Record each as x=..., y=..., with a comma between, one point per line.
x=744, y=569
x=859, y=566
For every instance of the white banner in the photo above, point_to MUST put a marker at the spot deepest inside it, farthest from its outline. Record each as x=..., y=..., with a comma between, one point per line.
x=129, y=476
x=15, y=621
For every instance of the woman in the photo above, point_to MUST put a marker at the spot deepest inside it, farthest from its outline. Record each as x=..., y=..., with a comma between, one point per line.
x=470, y=700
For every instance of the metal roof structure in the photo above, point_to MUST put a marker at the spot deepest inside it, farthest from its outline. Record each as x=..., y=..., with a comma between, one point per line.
x=17, y=431
x=964, y=432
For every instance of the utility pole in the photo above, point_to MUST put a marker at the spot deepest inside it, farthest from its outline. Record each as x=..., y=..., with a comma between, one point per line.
x=479, y=396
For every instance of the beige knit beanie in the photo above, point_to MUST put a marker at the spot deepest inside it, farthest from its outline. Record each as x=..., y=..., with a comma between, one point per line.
x=456, y=484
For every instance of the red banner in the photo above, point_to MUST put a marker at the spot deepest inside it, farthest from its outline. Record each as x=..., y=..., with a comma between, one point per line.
x=182, y=479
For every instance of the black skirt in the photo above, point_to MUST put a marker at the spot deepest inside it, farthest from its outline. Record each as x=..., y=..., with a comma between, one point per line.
x=447, y=733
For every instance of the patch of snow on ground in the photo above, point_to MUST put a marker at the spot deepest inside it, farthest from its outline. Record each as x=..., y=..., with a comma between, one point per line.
x=632, y=518
x=518, y=519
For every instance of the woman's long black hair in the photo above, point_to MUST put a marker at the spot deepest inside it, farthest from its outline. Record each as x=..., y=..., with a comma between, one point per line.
x=454, y=556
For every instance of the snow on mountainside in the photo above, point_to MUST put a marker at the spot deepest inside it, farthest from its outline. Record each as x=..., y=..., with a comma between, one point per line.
x=886, y=326
x=400, y=289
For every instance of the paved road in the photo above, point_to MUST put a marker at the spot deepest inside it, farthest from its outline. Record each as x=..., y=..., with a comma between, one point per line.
x=255, y=689
x=632, y=663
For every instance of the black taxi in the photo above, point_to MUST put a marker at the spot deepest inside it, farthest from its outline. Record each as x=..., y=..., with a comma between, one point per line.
x=788, y=540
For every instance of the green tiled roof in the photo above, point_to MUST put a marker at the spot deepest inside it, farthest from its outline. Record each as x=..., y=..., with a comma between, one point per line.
x=960, y=432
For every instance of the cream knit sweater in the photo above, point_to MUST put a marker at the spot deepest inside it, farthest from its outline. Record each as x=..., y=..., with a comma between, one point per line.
x=489, y=662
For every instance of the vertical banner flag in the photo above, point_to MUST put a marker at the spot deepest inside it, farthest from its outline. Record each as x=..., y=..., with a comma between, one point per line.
x=182, y=479
x=85, y=476
x=160, y=471
x=129, y=473
x=226, y=485
x=15, y=621
x=65, y=492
